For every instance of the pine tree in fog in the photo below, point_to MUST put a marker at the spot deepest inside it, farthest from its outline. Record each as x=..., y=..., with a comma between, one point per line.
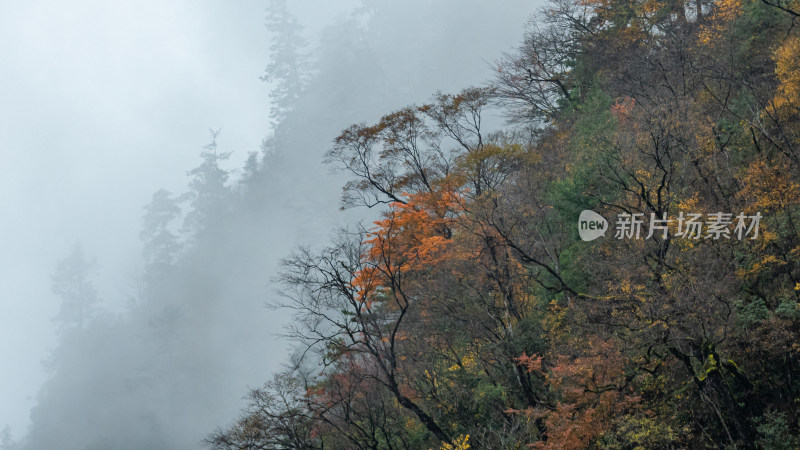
x=287, y=64
x=70, y=281
x=6, y=442
x=159, y=243
x=208, y=191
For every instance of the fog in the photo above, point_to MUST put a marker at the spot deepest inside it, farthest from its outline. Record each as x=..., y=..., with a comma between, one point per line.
x=105, y=103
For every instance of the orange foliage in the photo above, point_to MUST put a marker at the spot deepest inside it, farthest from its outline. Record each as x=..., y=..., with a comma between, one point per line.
x=713, y=32
x=623, y=107
x=593, y=389
x=787, y=68
x=412, y=237
x=768, y=187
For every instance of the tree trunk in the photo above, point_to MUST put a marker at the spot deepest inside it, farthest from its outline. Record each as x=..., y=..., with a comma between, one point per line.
x=423, y=417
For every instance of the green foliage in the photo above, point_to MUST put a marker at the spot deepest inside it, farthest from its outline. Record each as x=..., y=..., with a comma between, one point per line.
x=640, y=432
x=752, y=312
x=788, y=309
x=774, y=432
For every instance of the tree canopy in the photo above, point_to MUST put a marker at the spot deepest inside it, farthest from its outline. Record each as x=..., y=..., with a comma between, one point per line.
x=471, y=314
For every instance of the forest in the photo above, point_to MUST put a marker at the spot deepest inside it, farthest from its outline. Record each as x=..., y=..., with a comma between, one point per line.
x=470, y=314
x=458, y=303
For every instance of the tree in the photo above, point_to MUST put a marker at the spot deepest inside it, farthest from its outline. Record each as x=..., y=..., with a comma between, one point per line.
x=160, y=243
x=71, y=281
x=276, y=417
x=6, y=442
x=286, y=69
x=208, y=191
x=351, y=300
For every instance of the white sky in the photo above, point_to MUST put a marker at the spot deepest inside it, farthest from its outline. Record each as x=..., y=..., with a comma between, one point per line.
x=102, y=103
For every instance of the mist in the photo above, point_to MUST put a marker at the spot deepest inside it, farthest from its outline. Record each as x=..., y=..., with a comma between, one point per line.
x=105, y=104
